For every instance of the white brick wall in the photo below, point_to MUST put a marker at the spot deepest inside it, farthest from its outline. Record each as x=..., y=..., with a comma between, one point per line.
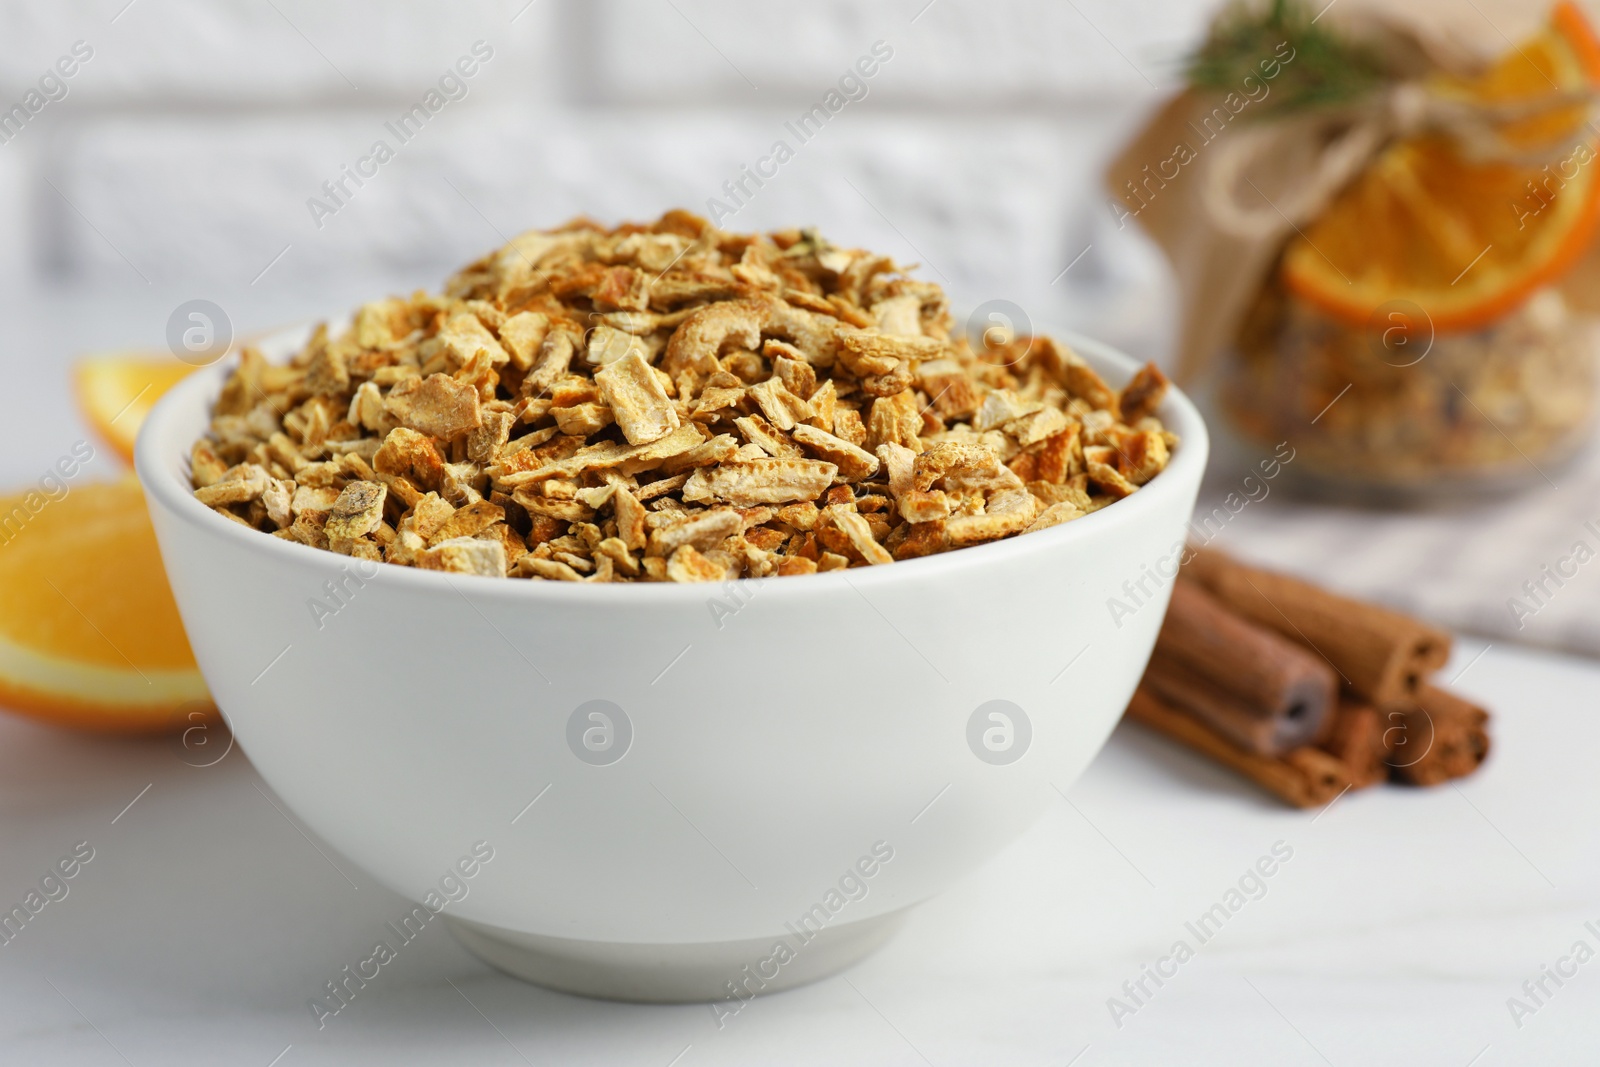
x=1000, y=53
x=188, y=146
x=208, y=54
x=973, y=198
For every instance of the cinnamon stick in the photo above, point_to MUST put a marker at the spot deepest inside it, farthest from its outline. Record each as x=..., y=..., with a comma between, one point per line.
x=1381, y=655
x=1304, y=777
x=1356, y=736
x=1441, y=737
x=1259, y=689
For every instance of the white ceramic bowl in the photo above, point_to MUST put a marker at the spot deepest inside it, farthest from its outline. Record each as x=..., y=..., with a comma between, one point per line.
x=786, y=735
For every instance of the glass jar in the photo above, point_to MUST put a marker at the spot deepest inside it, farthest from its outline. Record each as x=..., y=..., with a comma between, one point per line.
x=1394, y=411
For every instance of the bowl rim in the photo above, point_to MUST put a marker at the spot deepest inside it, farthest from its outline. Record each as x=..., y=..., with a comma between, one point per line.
x=161, y=463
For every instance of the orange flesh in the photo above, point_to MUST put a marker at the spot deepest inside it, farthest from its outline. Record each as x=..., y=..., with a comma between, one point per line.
x=1466, y=241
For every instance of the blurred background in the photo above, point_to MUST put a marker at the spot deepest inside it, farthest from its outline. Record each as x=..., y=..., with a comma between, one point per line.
x=178, y=162
x=181, y=159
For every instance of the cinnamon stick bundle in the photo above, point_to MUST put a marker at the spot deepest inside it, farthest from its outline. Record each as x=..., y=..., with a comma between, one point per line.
x=1260, y=690
x=1382, y=655
x=1357, y=736
x=1441, y=737
x=1304, y=777
x=1215, y=685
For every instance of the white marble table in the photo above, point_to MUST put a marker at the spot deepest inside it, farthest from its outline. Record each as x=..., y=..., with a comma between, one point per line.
x=1395, y=933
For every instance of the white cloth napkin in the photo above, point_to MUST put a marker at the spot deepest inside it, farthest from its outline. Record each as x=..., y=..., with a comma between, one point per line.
x=1520, y=566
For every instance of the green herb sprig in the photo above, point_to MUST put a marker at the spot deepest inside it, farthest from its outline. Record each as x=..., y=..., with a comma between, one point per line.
x=1327, y=69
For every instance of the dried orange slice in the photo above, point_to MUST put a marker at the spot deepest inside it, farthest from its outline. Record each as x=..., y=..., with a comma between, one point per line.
x=117, y=390
x=89, y=635
x=1466, y=241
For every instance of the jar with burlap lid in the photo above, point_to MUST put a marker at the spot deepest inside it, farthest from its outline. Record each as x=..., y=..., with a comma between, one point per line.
x=1384, y=238
x=1402, y=409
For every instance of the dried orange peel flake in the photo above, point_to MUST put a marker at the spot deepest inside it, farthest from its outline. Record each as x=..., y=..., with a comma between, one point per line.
x=669, y=403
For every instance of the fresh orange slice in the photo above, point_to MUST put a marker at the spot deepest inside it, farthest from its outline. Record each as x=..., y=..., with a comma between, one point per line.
x=1466, y=241
x=117, y=390
x=89, y=635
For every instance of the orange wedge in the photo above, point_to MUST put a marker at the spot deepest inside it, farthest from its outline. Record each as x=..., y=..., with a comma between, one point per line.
x=89, y=635
x=1467, y=241
x=118, y=389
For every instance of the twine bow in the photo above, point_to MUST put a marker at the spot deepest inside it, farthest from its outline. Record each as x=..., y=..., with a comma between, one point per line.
x=1349, y=138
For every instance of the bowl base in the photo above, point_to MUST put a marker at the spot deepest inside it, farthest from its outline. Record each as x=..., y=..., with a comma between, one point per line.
x=707, y=971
